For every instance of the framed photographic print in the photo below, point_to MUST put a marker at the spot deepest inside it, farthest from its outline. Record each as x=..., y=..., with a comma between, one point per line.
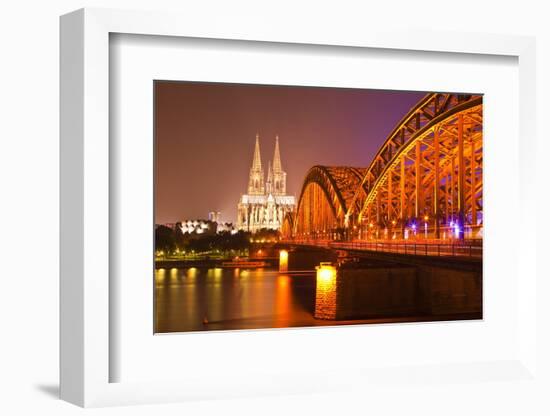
x=269, y=214
x=367, y=209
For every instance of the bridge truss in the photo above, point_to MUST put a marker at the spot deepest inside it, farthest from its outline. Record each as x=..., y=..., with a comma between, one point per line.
x=325, y=199
x=426, y=181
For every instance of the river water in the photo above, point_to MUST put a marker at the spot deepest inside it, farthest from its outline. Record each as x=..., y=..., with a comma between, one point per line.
x=199, y=299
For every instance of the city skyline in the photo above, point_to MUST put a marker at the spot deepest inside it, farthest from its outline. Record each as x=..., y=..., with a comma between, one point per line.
x=215, y=125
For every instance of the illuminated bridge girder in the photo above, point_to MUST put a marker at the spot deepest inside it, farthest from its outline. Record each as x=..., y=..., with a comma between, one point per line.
x=324, y=201
x=287, y=228
x=433, y=187
x=426, y=180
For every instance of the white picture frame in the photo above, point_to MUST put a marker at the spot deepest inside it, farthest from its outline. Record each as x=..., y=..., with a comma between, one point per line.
x=85, y=212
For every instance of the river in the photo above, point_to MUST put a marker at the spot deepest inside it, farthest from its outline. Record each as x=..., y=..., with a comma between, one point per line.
x=199, y=299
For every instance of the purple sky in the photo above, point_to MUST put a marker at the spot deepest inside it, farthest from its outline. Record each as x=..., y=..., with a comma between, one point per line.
x=205, y=135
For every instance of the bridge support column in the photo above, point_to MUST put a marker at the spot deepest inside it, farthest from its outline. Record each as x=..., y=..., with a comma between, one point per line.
x=378, y=213
x=402, y=197
x=390, y=196
x=418, y=182
x=326, y=292
x=473, y=201
x=460, y=177
x=452, y=193
x=436, y=183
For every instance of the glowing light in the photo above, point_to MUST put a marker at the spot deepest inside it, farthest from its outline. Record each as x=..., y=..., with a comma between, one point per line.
x=393, y=222
x=283, y=261
x=326, y=272
x=325, y=293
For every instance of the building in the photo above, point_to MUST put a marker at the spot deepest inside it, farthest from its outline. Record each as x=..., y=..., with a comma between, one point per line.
x=207, y=227
x=214, y=216
x=266, y=203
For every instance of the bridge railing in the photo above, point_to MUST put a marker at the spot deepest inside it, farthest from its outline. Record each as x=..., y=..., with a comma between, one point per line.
x=473, y=248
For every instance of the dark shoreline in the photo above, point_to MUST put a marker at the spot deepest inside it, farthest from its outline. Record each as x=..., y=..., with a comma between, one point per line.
x=181, y=264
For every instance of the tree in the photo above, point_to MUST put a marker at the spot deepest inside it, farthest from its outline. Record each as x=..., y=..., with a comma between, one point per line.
x=164, y=239
x=180, y=239
x=267, y=234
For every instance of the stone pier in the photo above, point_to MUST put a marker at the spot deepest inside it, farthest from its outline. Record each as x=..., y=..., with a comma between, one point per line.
x=362, y=290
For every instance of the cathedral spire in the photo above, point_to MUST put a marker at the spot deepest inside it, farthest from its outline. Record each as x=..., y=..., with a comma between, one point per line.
x=256, y=184
x=257, y=162
x=277, y=157
x=279, y=176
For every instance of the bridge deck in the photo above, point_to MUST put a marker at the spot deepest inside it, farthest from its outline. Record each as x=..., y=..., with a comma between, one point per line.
x=433, y=248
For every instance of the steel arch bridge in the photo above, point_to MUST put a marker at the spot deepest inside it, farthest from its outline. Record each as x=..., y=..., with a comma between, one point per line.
x=325, y=198
x=426, y=181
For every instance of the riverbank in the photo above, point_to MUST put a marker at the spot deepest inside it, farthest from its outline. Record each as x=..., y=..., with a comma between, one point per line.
x=186, y=263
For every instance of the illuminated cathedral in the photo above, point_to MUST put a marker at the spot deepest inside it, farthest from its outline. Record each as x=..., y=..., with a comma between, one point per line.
x=266, y=203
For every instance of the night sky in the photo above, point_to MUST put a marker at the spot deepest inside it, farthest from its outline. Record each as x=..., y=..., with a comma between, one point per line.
x=205, y=135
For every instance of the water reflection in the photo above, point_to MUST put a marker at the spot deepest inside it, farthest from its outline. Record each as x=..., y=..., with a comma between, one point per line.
x=214, y=299
x=283, y=300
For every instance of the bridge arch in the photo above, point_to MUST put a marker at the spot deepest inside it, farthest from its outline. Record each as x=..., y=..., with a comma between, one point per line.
x=324, y=201
x=426, y=179
x=287, y=228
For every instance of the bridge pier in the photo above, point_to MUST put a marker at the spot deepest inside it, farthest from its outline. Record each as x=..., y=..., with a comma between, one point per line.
x=362, y=290
x=306, y=258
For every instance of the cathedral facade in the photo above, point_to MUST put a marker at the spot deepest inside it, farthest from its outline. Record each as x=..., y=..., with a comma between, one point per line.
x=266, y=203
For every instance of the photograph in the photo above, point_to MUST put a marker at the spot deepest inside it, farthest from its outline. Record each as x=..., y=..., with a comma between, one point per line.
x=280, y=206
